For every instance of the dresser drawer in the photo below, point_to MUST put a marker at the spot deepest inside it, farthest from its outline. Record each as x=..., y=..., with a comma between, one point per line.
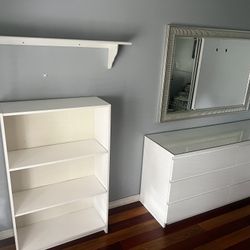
x=198, y=185
x=243, y=153
x=196, y=205
x=241, y=173
x=239, y=191
x=203, y=161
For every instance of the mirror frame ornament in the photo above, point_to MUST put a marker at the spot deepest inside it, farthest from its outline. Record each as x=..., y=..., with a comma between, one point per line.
x=173, y=30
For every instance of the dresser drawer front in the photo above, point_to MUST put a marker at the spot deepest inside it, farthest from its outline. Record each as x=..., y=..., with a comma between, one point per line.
x=244, y=153
x=202, y=162
x=241, y=173
x=239, y=191
x=198, y=185
x=199, y=204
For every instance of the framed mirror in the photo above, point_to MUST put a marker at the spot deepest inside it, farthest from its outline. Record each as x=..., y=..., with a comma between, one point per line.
x=205, y=72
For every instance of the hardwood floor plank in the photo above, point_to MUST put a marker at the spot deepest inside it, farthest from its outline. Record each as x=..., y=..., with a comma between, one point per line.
x=115, y=237
x=130, y=222
x=243, y=245
x=127, y=214
x=165, y=240
x=225, y=218
x=7, y=242
x=10, y=247
x=115, y=246
x=211, y=235
x=124, y=208
x=228, y=240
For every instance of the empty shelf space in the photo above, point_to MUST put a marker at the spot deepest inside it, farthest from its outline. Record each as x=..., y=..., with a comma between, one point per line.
x=37, y=199
x=49, y=233
x=39, y=156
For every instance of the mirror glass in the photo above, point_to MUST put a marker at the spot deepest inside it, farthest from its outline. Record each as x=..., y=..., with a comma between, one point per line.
x=206, y=72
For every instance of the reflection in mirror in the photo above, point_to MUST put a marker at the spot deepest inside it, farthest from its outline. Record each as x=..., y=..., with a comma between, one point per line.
x=223, y=73
x=206, y=72
x=183, y=64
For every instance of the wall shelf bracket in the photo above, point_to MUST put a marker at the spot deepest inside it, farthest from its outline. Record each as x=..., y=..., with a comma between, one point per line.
x=112, y=53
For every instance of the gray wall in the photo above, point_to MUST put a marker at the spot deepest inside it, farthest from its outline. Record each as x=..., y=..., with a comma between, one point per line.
x=132, y=86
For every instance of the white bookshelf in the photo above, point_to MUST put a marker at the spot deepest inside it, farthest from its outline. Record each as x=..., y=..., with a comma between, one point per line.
x=57, y=159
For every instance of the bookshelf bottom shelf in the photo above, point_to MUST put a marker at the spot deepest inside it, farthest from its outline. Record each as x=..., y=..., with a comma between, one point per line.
x=59, y=230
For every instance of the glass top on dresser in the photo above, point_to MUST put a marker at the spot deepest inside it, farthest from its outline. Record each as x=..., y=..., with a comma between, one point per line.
x=189, y=140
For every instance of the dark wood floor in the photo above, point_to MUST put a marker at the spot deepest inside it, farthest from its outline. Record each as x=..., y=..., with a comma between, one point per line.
x=132, y=227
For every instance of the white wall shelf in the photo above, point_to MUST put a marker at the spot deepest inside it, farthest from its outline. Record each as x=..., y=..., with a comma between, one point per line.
x=38, y=199
x=112, y=46
x=57, y=159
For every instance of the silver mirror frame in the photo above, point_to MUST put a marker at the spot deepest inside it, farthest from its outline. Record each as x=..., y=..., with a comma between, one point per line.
x=172, y=31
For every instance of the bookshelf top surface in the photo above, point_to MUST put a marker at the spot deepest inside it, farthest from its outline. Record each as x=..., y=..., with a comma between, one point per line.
x=48, y=105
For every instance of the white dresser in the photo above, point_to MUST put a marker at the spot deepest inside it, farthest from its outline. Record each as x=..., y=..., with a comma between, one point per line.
x=188, y=172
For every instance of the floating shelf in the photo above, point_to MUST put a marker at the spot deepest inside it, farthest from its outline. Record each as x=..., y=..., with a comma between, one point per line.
x=38, y=199
x=45, y=155
x=112, y=46
x=49, y=233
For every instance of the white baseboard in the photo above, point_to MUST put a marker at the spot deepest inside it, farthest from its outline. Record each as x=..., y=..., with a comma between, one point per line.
x=124, y=201
x=6, y=234
x=118, y=203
